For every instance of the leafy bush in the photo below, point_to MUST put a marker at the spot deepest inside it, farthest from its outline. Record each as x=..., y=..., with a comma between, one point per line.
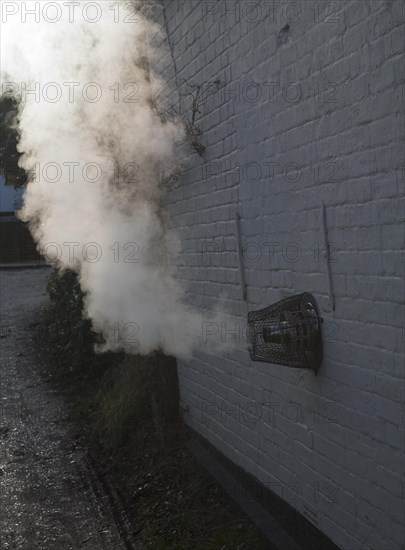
x=126, y=389
x=9, y=155
x=128, y=408
x=69, y=333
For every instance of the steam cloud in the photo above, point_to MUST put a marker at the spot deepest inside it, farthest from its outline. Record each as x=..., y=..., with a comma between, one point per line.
x=98, y=154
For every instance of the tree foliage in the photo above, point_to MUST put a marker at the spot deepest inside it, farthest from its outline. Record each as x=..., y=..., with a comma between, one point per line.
x=10, y=136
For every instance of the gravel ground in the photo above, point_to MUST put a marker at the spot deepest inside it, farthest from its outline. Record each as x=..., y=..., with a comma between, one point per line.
x=50, y=494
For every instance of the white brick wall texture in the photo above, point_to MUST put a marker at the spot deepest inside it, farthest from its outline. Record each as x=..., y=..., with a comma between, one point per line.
x=300, y=103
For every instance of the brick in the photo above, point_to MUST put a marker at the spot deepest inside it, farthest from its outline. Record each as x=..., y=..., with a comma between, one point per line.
x=350, y=155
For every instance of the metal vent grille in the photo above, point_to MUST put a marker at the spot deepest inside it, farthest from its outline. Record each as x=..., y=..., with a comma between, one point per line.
x=287, y=333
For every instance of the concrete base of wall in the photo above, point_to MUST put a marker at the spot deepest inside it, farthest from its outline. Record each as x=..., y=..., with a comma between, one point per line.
x=281, y=524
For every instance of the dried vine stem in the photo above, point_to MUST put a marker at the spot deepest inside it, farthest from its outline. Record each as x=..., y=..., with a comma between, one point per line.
x=193, y=132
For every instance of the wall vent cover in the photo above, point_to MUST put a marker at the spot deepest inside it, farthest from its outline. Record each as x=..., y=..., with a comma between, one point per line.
x=287, y=333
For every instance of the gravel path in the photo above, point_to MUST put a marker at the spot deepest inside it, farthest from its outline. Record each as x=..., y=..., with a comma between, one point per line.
x=50, y=496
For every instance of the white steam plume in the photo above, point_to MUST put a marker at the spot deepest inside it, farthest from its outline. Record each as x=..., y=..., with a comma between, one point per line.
x=98, y=153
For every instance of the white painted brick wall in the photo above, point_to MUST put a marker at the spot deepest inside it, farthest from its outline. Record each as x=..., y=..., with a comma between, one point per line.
x=319, y=118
